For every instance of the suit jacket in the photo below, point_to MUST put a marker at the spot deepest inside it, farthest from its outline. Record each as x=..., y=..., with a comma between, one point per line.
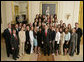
x=14, y=42
x=22, y=36
x=50, y=32
x=73, y=39
x=46, y=39
x=53, y=33
x=17, y=31
x=7, y=35
x=39, y=36
x=79, y=33
x=27, y=37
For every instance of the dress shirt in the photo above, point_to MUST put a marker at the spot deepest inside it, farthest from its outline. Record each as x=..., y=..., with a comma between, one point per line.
x=31, y=35
x=9, y=30
x=57, y=37
x=67, y=36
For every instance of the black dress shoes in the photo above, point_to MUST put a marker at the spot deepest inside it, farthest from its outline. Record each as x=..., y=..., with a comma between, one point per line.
x=48, y=54
x=77, y=54
x=8, y=56
x=71, y=54
x=44, y=54
x=17, y=57
x=14, y=58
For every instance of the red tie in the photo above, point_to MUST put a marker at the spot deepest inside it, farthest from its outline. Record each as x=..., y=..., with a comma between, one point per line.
x=15, y=37
x=46, y=33
x=40, y=31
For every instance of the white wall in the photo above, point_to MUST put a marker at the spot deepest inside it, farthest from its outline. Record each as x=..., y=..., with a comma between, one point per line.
x=68, y=7
x=16, y=3
x=6, y=14
x=22, y=8
x=33, y=10
x=64, y=8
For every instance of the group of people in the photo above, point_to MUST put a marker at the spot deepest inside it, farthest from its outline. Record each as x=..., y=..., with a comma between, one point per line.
x=45, y=35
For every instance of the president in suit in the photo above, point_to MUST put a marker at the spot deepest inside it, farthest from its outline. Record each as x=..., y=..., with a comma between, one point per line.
x=46, y=41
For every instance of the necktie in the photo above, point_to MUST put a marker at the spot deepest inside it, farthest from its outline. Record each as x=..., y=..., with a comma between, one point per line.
x=46, y=33
x=40, y=31
x=15, y=37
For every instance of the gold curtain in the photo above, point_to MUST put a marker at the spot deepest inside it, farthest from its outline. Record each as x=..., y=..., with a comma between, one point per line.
x=81, y=18
x=16, y=8
x=28, y=11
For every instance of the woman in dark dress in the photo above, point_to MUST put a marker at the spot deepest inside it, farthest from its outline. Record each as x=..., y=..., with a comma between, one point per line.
x=27, y=43
x=39, y=39
x=66, y=41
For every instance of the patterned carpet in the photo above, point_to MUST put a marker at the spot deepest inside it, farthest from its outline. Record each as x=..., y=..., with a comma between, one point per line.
x=45, y=58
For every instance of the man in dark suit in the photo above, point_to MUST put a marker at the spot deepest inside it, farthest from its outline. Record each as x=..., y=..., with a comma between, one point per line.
x=53, y=33
x=17, y=29
x=79, y=33
x=14, y=45
x=50, y=31
x=7, y=36
x=46, y=41
x=27, y=43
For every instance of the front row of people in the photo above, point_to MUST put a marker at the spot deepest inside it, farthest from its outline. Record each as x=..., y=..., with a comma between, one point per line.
x=48, y=40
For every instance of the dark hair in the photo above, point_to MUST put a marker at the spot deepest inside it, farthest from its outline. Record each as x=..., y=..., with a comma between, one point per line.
x=39, y=27
x=9, y=23
x=27, y=25
x=16, y=24
x=61, y=28
x=76, y=23
x=55, y=15
x=35, y=19
x=66, y=31
x=68, y=26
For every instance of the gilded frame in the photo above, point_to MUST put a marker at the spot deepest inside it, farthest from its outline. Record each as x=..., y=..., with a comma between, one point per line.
x=48, y=2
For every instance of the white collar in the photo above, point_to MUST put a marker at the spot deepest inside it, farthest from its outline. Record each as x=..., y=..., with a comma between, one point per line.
x=14, y=34
x=9, y=28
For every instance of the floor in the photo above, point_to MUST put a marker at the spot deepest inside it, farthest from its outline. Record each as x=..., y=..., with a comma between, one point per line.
x=35, y=57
